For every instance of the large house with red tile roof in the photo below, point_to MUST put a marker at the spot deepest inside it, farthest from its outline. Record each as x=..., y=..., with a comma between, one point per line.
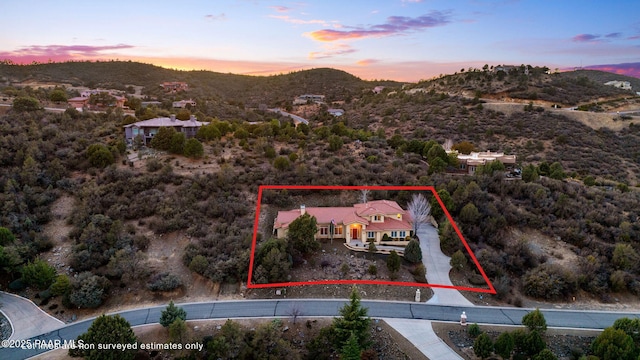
x=370, y=221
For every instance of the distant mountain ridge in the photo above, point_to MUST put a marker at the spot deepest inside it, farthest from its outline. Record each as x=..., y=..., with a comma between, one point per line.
x=335, y=84
x=278, y=90
x=626, y=69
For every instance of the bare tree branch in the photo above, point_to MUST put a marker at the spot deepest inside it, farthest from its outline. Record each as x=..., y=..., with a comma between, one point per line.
x=364, y=196
x=419, y=209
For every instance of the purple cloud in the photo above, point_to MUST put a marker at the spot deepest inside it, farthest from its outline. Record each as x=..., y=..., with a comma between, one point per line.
x=629, y=69
x=585, y=37
x=614, y=35
x=212, y=17
x=280, y=9
x=395, y=25
x=340, y=49
x=45, y=53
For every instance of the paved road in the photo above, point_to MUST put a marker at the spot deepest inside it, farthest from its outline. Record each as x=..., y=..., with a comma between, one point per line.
x=292, y=116
x=377, y=309
x=27, y=319
x=420, y=333
x=438, y=268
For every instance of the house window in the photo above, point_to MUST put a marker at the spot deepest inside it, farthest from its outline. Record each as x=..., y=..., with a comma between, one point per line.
x=371, y=235
x=394, y=234
x=377, y=218
x=338, y=230
x=324, y=230
x=403, y=234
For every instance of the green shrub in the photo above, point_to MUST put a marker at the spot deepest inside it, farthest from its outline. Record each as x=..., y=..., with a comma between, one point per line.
x=39, y=274
x=474, y=330
x=193, y=149
x=419, y=273
x=483, y=346
x=412, y=252
x=535, y=321
x=17, y=285
x=504, y=345
x=372, y=270
x=164, y=282
x=458, y=260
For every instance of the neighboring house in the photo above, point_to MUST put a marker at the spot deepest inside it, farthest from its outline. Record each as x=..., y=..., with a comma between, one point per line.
x=469, y=163
x=174, y=86
x=624, y=85
x=378, y=89
x=147, y=129
x=303, y=99
x=88, y=93
x=336, y=112
x=359, y=223
x=83, y=101
x=78, y=102
x=183, y=103
x=144, y=104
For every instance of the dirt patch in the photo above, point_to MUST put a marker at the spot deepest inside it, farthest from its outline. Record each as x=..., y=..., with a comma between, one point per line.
x=556, y=251
x=336, y=262
x=57, y=230
x=560, y=341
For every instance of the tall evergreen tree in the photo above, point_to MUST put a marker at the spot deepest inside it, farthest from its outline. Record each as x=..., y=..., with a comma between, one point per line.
x=171, y=313
x=353, y=320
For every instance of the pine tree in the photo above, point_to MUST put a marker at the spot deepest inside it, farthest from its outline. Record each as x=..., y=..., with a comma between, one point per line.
x=353, y=320
x=106, y=330
x=171, y=313
x=351, y=349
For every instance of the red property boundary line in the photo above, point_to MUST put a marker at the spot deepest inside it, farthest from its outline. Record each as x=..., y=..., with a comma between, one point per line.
x=261, y=188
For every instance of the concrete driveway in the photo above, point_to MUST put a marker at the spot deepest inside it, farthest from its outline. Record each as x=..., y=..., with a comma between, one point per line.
x=27, y=320
x=437, y=264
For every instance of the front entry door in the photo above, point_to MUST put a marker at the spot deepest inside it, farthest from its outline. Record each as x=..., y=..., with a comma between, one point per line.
x=354, y=233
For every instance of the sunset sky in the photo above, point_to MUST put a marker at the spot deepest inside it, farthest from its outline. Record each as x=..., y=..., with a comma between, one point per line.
x=405, y=40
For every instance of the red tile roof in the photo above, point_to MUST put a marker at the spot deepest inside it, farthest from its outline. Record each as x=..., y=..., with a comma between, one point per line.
x=359, y=213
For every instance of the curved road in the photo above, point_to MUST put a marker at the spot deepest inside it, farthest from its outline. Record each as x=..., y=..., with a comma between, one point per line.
x=329, y=308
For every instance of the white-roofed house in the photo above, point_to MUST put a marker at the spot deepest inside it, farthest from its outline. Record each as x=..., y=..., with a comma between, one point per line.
x=147, y=129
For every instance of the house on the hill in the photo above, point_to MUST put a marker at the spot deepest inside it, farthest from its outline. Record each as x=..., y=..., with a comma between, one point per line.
x=80, y=102
x=147, y=129
x=183, y=104
x=469, y=163
x=336, y=112
x=357, y=224
x=304, y=99
x=174, y=86
x=624, y=85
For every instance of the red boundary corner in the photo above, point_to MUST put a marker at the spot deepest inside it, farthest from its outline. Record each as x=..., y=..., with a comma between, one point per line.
x=491, y=289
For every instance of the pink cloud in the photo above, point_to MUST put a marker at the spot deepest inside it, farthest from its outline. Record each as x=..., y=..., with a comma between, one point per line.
x=395, y=25
x=585, y=37
x=367, y=62
x=280, y=9
x=335, y=50
x=45, y=53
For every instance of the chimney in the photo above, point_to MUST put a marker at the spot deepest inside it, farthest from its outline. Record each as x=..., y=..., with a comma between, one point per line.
x=303, y=210
x=193, y=118
x=173, y=117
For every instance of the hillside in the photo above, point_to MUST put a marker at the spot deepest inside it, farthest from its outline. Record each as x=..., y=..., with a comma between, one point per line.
x=568, y=228
x=250, y=90
x=528, y=83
